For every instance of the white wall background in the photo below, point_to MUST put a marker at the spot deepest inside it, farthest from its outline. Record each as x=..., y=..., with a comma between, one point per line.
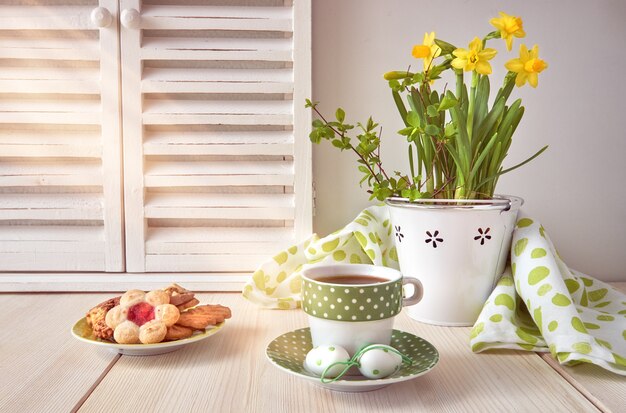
x=576, y=188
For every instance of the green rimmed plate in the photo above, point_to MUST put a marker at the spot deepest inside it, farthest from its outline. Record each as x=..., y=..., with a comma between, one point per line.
x=83, y=332
x=288, y=352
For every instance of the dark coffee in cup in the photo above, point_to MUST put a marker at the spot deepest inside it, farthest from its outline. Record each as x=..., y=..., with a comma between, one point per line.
x=351, y=279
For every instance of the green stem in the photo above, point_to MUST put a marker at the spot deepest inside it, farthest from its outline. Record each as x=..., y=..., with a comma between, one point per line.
x=459, y=84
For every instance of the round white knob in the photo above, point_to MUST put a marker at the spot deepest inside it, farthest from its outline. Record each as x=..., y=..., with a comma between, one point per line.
x=130, y=18
x=101, y=17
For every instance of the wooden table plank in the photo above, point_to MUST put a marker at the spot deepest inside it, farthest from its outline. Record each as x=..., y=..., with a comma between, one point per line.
x=229, y=373
x=42, y=367
x=604, y=389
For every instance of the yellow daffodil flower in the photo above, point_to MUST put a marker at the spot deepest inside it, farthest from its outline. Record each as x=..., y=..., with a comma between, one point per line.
x=508, y=26
x=428, y=50
x=527, y=67
x=474, y=58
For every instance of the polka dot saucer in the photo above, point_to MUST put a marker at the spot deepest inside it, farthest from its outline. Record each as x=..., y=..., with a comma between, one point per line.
x=288, y=352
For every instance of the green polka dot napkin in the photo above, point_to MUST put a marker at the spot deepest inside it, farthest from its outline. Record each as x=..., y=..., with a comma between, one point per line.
x=367, y=239
x=540, y=304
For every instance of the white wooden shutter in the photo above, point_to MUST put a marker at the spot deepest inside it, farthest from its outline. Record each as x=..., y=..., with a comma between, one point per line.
x=216, y=154
x=60, y=177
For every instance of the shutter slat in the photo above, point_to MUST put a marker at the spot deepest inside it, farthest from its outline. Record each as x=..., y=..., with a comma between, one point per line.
x=36, y=247
x=45, y=18
x=51, y=233
x=160, y=48
x=219, y=206
x=47, y=150
x=16, y=173
x=197, y=112
x=185, y=248
x=51, y=111
x=50, y=49
x=52, y=145
x=57, y=73
x=218, y=143
x=219, y=235
x=163, y=174
x=51, y=207
x=151, y=86
x=217, y=18
x=49, y=86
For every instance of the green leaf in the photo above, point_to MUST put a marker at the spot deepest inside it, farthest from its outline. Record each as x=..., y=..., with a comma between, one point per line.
x=317, y=123
x=340, y=115
x=446, y=48
x=448, y=101
x=502, y=172
x=485, y=152
x=432, y=111
x=432, y=130
x=400, y=105
x=315, y=137
x=539, y=152
x=309, y=104
x=450, y=130
x=418, y=78
x=413, y=119
x=488, y=122
x=482, y=97
x=337, y=143
x=406, y=131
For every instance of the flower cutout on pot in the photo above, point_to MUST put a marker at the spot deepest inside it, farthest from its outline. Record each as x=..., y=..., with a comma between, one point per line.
x=399, y=234
x=433, y=238
x=483, y=235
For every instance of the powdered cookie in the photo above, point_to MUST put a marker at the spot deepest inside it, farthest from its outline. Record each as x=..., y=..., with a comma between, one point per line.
x=152, y=332
x=131, y=297
x=127, y=333
x=167, y=313
x=157, y=297
x=116, y=316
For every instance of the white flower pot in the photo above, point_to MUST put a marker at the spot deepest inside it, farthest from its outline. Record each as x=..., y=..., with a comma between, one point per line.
x=458, y=252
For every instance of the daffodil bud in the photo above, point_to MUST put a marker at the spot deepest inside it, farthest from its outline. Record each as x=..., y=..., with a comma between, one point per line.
x=397, y=75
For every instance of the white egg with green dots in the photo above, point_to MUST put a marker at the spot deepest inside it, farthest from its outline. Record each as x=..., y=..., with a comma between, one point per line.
x=378, y=361
x=319, y=358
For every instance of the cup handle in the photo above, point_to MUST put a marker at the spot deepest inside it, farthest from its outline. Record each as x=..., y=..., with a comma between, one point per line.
x=418, y=291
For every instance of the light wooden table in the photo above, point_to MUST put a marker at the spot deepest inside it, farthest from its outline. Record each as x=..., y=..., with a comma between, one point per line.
x=44, y=369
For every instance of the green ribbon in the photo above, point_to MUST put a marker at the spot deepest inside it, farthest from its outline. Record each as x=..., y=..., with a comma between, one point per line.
x=354, y=361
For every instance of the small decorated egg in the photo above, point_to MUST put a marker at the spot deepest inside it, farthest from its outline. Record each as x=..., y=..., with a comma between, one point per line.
x=323, y=356
x=378, y=361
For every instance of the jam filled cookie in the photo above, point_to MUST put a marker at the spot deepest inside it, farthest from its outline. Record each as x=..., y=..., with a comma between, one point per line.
x=142, y=317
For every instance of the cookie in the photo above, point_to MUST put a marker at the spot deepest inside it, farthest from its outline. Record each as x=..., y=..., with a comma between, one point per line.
x=177, y=332
x=203, y=316
x=126, y=333
x=152, y=332
x=96, y=318
x=194, y=302
x=167, y=313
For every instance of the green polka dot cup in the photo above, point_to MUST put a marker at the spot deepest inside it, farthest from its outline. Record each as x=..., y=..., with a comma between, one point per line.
x=354, y=305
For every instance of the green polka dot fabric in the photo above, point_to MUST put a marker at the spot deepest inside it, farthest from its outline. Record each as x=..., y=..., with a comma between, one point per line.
x=540, y=304
x=367, y=239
